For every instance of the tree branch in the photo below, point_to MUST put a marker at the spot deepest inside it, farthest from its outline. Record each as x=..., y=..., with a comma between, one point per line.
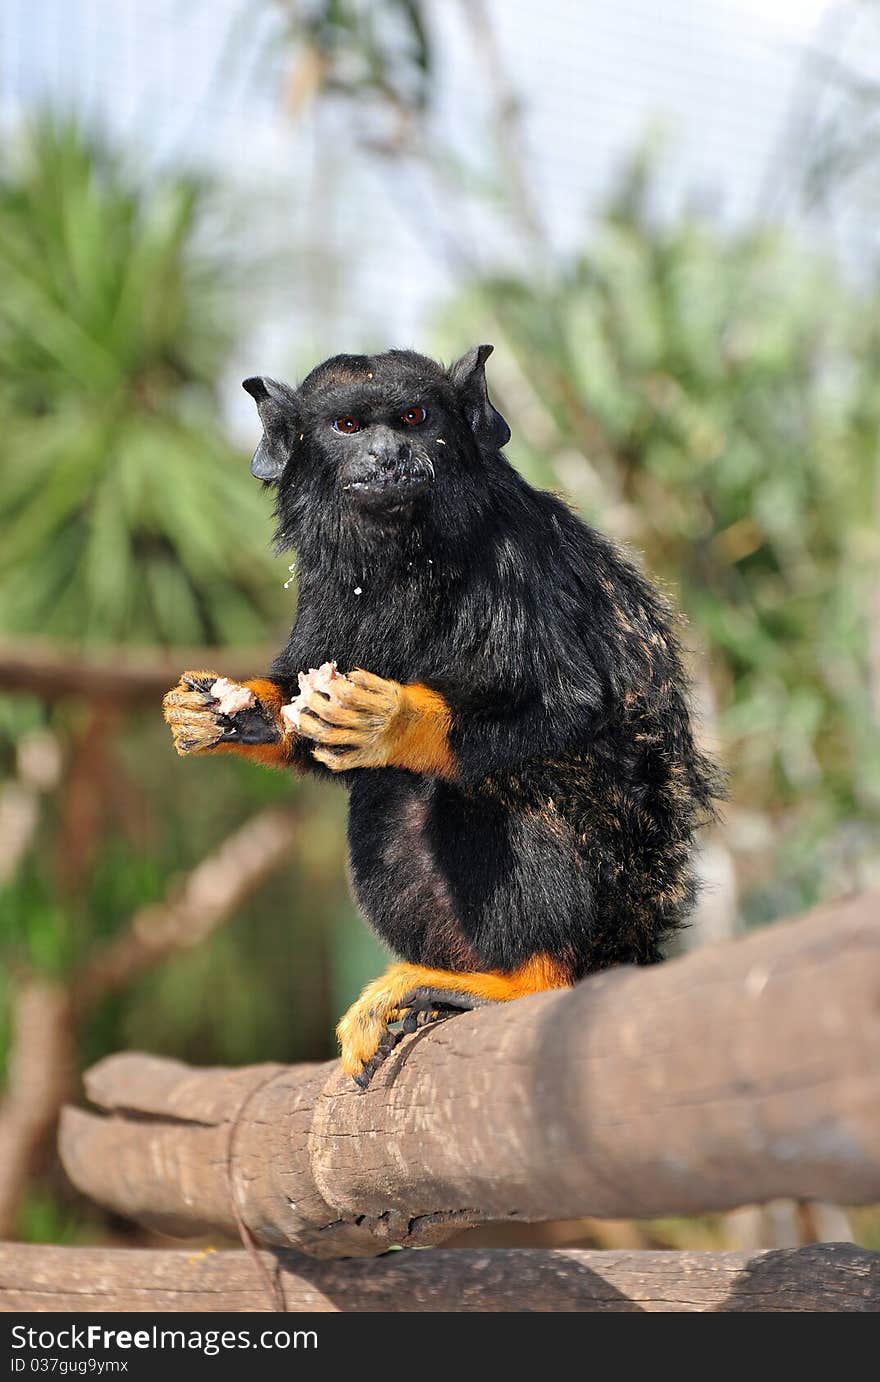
x=135, y=676
x=192, y=911
x=737, y=1074
x=41, y=1061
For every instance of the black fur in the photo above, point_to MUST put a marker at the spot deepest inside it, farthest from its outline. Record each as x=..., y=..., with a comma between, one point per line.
x=569, y=829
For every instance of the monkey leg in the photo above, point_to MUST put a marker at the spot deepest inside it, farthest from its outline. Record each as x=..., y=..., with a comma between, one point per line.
x=364, y=721
x=244, y=718
x=415, y=994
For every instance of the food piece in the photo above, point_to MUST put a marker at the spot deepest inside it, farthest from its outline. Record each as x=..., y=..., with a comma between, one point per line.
x=315, y=679
x=232, y=696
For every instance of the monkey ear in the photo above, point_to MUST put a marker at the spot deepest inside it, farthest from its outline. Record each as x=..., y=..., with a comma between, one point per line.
x=276, y=405
x=469, y=377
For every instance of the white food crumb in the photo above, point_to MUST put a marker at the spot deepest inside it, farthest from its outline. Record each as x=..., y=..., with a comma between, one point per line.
x=290, y=714
x=315, y=679
x=358, y=590
x=231, y=696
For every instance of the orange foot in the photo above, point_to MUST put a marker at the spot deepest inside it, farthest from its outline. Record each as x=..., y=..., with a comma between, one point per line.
x=417, y=994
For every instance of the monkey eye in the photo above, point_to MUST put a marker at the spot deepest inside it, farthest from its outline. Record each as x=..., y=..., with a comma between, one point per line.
x=347, y=425
x=413, y=417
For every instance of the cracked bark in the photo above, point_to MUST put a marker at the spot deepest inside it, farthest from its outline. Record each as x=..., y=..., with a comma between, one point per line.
x=836, y=1277
x=743, y=1072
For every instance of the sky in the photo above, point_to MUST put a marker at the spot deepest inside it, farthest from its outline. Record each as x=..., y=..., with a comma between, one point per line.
x=720, y=83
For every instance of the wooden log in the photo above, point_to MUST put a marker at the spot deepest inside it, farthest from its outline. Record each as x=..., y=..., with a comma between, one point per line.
x=740, y=1073
x=830, y=1277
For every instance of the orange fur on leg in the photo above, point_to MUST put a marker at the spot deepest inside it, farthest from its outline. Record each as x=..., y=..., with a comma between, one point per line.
x=419, y=739
x=277, y=755
x=383, y=1001
x=365, y=721
x=267, y=692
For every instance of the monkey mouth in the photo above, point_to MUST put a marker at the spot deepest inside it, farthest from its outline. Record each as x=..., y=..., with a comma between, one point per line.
x=391, y=489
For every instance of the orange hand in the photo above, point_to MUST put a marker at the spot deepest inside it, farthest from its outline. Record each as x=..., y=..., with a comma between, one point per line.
x=364, y=721
x=199, y=725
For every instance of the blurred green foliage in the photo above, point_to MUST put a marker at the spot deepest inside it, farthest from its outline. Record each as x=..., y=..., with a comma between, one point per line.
x=127, y=514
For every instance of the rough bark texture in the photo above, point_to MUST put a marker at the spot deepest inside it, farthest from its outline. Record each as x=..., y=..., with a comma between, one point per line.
x=832, y=1277
x=744, y=1072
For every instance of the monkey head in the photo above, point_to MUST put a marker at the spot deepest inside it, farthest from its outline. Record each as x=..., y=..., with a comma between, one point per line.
x=377, y=443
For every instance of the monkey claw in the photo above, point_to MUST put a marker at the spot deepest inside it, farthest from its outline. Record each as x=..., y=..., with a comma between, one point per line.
x=419, y=1008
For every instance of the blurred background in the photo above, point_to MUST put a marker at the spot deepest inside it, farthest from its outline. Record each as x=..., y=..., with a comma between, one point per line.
x=666, y=220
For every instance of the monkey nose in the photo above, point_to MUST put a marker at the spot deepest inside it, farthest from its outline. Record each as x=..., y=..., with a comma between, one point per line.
x=384, y=460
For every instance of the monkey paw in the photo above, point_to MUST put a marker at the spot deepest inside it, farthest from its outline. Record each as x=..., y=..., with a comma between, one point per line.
x=205, y=711
x=365, y=1035
x=353, y=720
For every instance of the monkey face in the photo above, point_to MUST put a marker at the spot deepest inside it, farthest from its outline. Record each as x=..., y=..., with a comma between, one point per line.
x=378, y=439
x=374, y=427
